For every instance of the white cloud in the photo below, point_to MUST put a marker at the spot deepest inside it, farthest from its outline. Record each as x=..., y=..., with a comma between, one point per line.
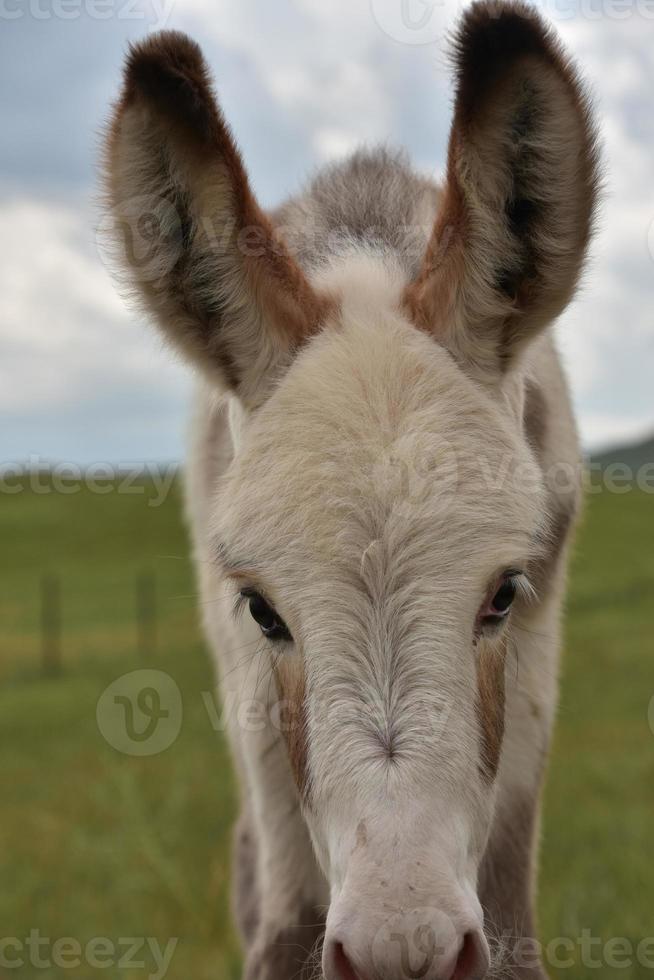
x=67, y=339
x=607, y=338
x=603, y=431
x=334, y=144
x=329, y=66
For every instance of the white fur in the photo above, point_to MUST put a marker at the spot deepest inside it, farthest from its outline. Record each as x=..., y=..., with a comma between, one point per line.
x=381, y=593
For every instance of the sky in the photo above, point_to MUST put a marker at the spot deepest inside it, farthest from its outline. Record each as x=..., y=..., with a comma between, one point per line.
x=302, y=82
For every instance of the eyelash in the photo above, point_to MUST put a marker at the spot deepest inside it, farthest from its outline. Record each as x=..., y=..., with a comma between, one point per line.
x=240, y=602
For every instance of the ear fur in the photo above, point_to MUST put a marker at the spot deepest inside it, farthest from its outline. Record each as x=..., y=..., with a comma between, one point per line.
x=520, y=192
x=195, y=247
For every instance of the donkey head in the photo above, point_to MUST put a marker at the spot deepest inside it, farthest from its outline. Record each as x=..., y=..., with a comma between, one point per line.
x=355, y=520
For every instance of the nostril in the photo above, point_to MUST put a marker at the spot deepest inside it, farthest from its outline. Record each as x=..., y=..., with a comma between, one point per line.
x=342, y=965
x=472, y=963
x=466, y=960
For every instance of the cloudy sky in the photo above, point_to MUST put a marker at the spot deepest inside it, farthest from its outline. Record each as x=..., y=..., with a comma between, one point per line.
x=302, y=81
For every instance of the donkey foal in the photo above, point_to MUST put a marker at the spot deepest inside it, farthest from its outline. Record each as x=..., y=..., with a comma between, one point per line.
x=380, y=405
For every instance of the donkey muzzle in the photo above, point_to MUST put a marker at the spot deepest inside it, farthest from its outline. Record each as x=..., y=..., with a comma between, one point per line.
x=409, y=944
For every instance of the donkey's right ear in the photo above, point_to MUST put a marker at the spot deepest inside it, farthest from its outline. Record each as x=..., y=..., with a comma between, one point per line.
x=197, y=250
x=520, y=196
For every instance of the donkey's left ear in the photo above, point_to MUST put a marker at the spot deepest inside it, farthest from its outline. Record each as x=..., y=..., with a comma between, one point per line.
x=520, y=194
x=198, y=252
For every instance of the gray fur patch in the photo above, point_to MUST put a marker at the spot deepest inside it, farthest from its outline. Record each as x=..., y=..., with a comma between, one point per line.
x=373, y=199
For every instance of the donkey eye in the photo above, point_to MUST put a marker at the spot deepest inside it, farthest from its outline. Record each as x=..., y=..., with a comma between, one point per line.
x=271, y=625
x=497, y=608
x=503, y=598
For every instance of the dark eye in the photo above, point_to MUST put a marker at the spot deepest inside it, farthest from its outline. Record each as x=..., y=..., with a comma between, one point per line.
x=497, y=608
x=272, y=627
x=503, y=598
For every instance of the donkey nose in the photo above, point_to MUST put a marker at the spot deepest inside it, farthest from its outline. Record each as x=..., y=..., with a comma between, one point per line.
x=465, y=959
x=338, y=965
x=473, y=960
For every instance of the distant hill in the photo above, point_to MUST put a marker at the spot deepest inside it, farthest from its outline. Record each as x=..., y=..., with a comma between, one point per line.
x=633, y=454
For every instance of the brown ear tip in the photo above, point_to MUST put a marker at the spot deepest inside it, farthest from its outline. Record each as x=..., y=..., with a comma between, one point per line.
x=165, y=51
x=493, y=33
x=168, y=69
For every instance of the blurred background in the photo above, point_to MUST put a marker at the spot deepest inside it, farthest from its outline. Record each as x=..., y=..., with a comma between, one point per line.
x=99, y=843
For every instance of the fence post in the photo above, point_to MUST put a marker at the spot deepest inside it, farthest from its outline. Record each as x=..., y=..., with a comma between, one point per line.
x=51, y=624
x=146, y=614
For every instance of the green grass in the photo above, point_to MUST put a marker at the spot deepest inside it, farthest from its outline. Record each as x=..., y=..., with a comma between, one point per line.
x=94, y=843
x=599, y=814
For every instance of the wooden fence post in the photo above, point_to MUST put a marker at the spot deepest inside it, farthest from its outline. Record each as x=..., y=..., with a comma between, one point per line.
x=51, y=624
x=146, y=614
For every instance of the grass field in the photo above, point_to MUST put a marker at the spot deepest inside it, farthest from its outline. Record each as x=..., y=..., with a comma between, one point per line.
x=94, y=843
